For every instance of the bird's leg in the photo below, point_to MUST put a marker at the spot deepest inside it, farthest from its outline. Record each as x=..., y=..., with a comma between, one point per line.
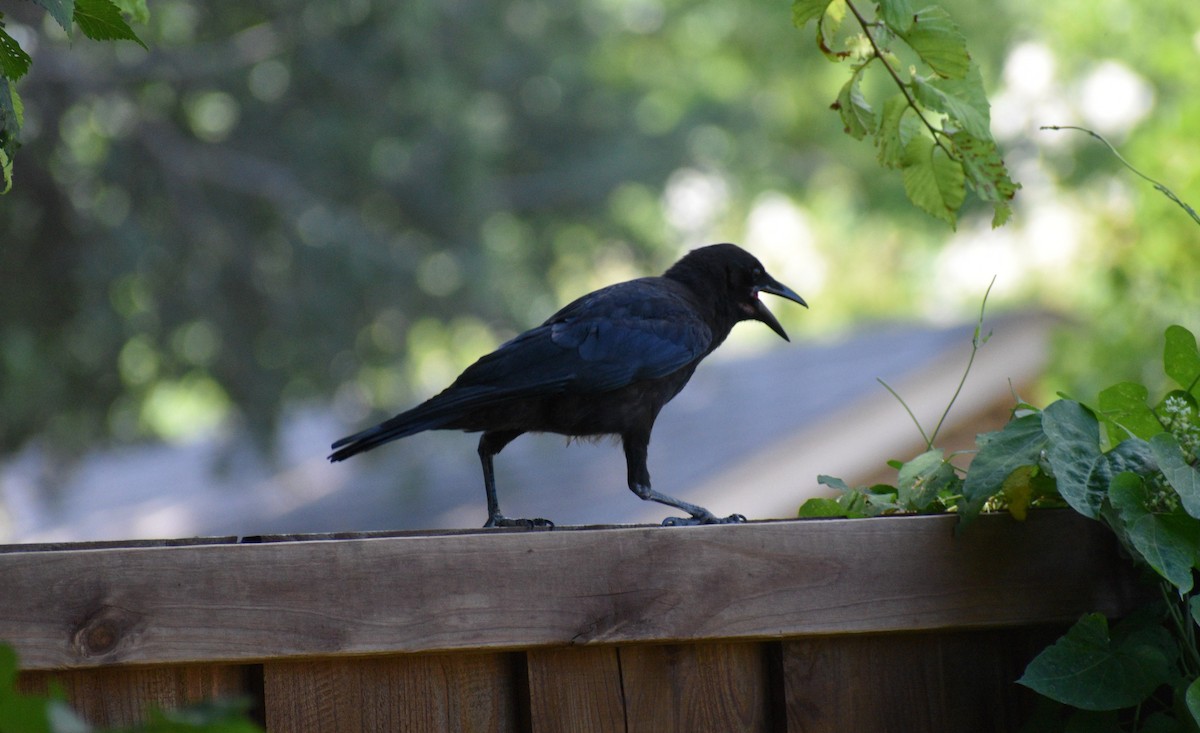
x=636, y=450
x=491, y=443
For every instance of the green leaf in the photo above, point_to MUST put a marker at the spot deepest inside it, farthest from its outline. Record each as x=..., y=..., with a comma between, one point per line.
x=962, y=99
x=827, y=27
x=61, y=10
x=1017, y=444
x=1125, y=412
x=14, y=62
x=1192, y=698
x=933, y=180
x=936, y=39
x=833, y=482
x=895, y=130
x=1082, y=472
x=135, y=9
x=1168, y=551
x=921, y=479
x=806, y=10
x=1086, y=669
x=101, y=20
x=1181, y=359
x=857, y=116
x=898, y=14
x=821, y=506
x=986, y=172
x=1183, y=477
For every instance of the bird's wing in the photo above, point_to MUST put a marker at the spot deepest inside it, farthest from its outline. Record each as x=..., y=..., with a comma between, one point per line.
x=603, y=341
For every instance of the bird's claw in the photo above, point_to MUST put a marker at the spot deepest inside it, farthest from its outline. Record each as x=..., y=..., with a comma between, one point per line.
x=535, y=523
x=702, y=519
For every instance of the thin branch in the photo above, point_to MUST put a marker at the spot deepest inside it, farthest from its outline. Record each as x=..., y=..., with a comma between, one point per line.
x=912, y=102
x=1161, y=188
x=888, y=387
x=976, y=342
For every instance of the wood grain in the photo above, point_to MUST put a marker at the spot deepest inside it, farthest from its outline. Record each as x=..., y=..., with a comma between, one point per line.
x=697, y=688
x=497, y=591
x=124, y=696
x=575, y=690
x=902, y=683
x=472, y=693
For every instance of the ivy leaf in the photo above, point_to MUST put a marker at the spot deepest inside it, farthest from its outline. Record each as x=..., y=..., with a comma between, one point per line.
x=806, y=10
x=921, y=479
x=1125, y=412
x=1082, y=471
x=962, y=99
x=898, y=14
x=821, y=507
x=1182, y=476
x=1088, y=670
x=857, y=115
x=14, y=62
x=933, y=180
x=1181, y=359
x=1001, y=453
x=936, y=39
x=1163, y=543
x=101, y=20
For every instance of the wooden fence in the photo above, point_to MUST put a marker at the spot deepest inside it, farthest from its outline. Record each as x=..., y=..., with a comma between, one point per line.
x=823, y=625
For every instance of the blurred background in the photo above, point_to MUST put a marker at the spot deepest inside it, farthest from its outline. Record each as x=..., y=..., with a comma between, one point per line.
x=290, y=219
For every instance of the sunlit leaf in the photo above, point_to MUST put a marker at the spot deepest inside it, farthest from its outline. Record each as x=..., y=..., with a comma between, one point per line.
x=937, y=40
x=898, y=14
x=1074, y=453
x=933, y=180
x=1086, y=669
x=961, y=99
x=821, y=506
x=806, y=10
x=135, y=9
x=857, y=115
x=1181, y=359
x=1125, y=412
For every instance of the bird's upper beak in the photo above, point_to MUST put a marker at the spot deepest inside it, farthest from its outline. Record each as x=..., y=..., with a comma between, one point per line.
x=774, y=287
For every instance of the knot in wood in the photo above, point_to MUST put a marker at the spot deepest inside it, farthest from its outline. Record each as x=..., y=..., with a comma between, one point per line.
x=102, y=632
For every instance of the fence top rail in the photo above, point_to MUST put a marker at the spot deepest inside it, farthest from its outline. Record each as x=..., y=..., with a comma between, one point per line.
x=286, y=597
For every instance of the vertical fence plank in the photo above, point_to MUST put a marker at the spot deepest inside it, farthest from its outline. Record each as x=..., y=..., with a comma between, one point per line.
x=899, y=683
x=437, y=692
x=124, y=696
x=575, y=689
x=697, y=688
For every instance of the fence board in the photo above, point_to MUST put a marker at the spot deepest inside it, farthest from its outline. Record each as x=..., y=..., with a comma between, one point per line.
x=124, y=696
x=522, y=590
x=575, y=689
x=908, y=682
x=693, y=688
x=474, y=693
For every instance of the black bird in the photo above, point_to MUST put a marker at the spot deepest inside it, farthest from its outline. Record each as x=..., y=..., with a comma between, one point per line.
x=603, y=365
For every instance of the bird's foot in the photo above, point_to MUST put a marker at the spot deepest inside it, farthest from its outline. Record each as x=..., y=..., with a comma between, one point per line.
x=707, y=518
x=500, y=520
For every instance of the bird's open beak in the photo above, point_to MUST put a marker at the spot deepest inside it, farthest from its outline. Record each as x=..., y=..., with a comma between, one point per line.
x=774, y=287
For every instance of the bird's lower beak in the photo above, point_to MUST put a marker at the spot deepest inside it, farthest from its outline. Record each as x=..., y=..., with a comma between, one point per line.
x=761, y=313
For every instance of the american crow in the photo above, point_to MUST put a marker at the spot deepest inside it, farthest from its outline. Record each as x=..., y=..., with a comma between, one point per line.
x=603, y=365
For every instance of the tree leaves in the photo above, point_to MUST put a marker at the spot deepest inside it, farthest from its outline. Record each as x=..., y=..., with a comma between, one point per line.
x=937, y=40
x=101, y=20
x=944, y=148
x=14, y=62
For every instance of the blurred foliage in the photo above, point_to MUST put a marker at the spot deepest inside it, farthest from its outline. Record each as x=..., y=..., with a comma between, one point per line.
x=286, y=201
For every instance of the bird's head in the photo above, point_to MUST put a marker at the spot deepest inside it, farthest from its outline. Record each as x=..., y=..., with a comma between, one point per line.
x=738, y=277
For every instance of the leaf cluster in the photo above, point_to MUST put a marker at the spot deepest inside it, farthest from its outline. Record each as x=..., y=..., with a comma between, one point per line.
x=936, y=128
x=100, y=20
x=21, y=713
x=1127, y=461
